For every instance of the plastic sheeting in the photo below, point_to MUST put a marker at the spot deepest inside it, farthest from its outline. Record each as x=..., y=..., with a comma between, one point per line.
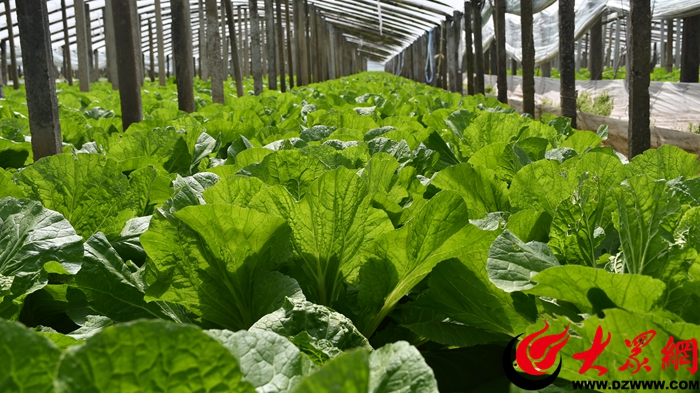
x=673, y=105
x=546, y=22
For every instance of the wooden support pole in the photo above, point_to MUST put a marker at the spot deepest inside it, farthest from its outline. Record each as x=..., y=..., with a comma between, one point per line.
x=608, y=49
x=668, y=56
x=457, y=38
x=88, y=36
x=639, y=75
x=213, y=51
x=298, y=5
x=234, y=50
x=256, y=53
x=3, y=60
x=271, y=44
x=333, y=73
x=167, y=66
x=547, y=69
x=451, y=76
x=567, y=68
x=203, y=71
x=596, y=51
x=263, y=44
x=39, y=78
x=468, y=60
x=690, y=52
x=162, y=62
x=526, y=20
x=81, y=38
x=279, y=29
x=290, y=43
x=616, y=53
x=181, y=31
x=66, y=54
x=306, y=49
x=151, y=54
x=110, y=45
x=11, y=38
x=442, y=63
x=226, y=34
x=679, y=43
x=478, y=47
x=241, y=39
x=96, y=65
x=493, y=51
x=140, y=58
x=313, y=54
x=128, y=62
x=500, y=23
x=247, y=57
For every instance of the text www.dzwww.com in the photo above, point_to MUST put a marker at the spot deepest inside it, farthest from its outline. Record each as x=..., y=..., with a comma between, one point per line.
x=637, y=385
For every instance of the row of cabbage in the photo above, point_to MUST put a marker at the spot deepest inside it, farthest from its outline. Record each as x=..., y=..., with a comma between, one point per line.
x=364, y=234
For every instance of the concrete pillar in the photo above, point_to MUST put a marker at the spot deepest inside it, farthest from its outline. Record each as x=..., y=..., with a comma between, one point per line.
x=128, y=62
x=40, y=81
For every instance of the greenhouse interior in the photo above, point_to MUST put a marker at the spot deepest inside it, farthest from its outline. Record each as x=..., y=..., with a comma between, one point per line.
x=370, y=196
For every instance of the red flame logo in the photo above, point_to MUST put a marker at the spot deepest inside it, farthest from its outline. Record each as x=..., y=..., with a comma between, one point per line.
x=535, y=353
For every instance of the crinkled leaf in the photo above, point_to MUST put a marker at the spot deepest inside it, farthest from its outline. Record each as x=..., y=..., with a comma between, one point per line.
x=31, y=236
x=578, y=285
x=332, y=227
x=107, y=286
x=540, y=186
x=27, y=360
x=462, y=291
x=319, y=332
x=666, y=162
x=512, y=263
x=482, y=191
x=402, y=258
x=150, y=356
x=268, y=361
x=88, y=189
x=648, y=211
x=217, y=261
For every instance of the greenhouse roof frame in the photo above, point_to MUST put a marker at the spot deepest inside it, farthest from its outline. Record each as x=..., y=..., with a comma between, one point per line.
x=402, y=21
